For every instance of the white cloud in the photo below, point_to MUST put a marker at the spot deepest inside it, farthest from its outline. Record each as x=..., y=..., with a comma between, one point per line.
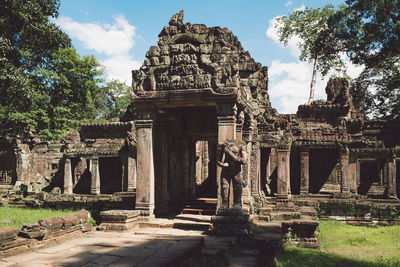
x=300, y=8
x=113, y=41
x=272, y=32
x=288, y=3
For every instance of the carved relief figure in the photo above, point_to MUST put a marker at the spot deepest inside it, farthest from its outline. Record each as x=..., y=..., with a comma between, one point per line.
x=233, y=155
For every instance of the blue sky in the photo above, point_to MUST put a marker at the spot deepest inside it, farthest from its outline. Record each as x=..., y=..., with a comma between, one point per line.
x=119, y=33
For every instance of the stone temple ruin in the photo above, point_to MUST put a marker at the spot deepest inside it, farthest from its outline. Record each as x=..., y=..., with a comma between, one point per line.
x=196, y=89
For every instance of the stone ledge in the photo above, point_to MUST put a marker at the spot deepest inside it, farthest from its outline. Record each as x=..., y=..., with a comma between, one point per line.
x=44, y=232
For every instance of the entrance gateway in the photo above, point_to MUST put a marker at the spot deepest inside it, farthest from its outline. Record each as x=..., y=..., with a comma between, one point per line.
x=196, y=89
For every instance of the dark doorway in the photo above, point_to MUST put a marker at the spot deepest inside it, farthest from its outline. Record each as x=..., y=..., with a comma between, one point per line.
x=322, y=164
x=369, y=174
x=110, y=175
x=206, y=181
x=268, y=171
x=398, y=178
x=295, y=171
x=7, y=163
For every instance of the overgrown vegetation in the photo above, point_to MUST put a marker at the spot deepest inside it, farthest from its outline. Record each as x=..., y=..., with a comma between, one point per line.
x=368, y=31
x=15, y=217
x=356, y=245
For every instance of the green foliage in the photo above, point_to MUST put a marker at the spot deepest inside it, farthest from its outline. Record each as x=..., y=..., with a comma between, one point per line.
x=354, y=245
x=15, y=217
x=43, y=81
x=317, y=41
x=70, y=84
x=112, y=100
x=370, y=31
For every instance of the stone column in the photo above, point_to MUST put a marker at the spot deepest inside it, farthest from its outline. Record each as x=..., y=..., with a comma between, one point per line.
x=206, y=161
x=391, y=167
x=131, y=173
x=352, y=172
x=95, y=180
x=145, y=199
x=226, y=115
x=283, y=180
x=304, y=171
x=67, y=177
x=128, y=172
x=344, y=170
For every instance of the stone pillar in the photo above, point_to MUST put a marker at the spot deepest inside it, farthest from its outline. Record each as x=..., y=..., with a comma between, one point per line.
x=352, y=172
x=344, y=170
x=283, y=179
x=192, y=178
x=304, y=171
x=391, y=186
x=131, y=173
x=145, y=199
x=128, y=172
x=206, y=161
x=67, y=177
x=95, y=180
x=226, y=115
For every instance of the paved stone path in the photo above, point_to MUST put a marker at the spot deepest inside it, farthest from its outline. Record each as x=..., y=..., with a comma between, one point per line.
x=159, y=248
x=164, y=242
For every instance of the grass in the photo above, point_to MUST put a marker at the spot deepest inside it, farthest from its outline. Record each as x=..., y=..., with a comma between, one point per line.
x=356, y=245
x=15, y=217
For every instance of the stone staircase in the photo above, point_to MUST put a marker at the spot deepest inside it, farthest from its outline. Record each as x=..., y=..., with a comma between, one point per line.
x=201, y=206
x=299, y=224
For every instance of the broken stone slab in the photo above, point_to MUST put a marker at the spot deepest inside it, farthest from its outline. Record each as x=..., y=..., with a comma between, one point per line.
x=39, y=235
x=52, y=223
x=31, y=227
x=70, y=220
x=83, y=215
x=7, y=234
x=26, y=188
x=86, y=227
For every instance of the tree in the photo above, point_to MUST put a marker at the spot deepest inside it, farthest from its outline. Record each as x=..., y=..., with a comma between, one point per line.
x=318, y=45
x=113, y=100
x=70, y=85
x=43, y=81
x=370, y=32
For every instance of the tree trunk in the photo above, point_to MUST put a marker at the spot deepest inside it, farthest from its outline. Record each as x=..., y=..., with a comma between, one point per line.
x=314, y=78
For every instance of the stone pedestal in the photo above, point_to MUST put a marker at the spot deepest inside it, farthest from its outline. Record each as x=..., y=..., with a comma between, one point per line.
x=118, y=220
x=95, y=179
x=145, y=199
x=304, y=171
x=283, y=179
x=231, y=222
x=67, y=177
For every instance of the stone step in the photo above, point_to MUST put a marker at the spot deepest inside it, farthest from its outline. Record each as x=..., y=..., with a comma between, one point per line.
x=200, y=211
x=283, y=216
x=308, y=210
x=265, y=218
